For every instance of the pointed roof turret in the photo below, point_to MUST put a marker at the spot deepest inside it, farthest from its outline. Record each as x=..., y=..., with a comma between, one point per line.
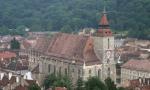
x=104, y=20
x=104, y=29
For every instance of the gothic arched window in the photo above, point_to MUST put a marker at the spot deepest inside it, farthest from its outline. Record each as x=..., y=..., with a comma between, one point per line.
x=59, y=70
x=108, y=43
x=54, y=69
x=99, y=73
x=66, y=71
x=49, y=68
x=108, y=72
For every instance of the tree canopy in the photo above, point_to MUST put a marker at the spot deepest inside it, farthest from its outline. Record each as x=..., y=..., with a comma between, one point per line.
x=73, y=15
x=14, y=44
x=34, y=87
x=53, y=81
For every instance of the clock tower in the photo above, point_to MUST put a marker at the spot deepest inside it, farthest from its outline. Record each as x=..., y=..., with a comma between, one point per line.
x=104, y=48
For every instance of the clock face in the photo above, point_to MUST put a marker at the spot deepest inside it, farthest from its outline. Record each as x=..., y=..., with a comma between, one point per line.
x=108, y=54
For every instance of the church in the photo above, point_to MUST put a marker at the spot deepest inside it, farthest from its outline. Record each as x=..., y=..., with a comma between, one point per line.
x=75, y=55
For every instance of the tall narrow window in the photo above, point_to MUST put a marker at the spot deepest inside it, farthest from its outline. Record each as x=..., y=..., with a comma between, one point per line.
x=54, y=69
x=59, y=70
x=49, y=68
x=108, y=43
x=66, y=71
x=108, y=72
x=90, y=71
x=99, y=73
x=79, y=72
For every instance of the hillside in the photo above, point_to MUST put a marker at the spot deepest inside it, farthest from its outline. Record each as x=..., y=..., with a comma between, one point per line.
x=72, y=15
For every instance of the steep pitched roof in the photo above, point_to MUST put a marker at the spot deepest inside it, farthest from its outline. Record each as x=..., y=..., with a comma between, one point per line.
x=104, y=20
x=42, y=44
x=70, y=46
x=104, y=29
x=141, y=65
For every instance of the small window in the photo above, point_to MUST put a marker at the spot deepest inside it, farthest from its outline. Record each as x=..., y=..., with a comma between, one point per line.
x=49, y=68
x=99, y=73
x=54, y=69
x=59, y=70
x=90, y=71
x=79, y=72
x=108, y=72
x=66, y=71
x=73, y=70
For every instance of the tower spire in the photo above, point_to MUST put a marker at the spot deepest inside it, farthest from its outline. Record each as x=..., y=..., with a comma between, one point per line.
x=104, y=29
x=104, y=10
x=104, y=20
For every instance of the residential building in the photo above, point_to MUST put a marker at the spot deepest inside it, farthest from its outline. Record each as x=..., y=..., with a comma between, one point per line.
x=134, y=69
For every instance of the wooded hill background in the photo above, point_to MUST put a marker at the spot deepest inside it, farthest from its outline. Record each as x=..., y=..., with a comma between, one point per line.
x=131, y=16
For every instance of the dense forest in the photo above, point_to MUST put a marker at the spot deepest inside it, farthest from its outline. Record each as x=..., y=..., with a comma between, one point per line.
x=130, y=16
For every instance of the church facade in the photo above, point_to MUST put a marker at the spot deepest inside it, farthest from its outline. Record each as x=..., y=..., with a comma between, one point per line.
x=75, y=55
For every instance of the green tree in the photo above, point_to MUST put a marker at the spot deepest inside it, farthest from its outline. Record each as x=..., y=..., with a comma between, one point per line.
x=49, y=81
x=66, y=29
x=63, y=81
x=110, y=84
x=14, y=44
x=80, y=84
x=34, y=87
x=94, y=83
x=121, y=88
x=53, y=81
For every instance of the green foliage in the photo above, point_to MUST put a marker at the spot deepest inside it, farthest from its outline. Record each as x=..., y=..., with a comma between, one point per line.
x=14, y=44
x=66, y=29
x=110, y=84
x=80, y=84
x=94, y=83
x=72, y=15
x=53, y=81
x=49, y=81
x=34, y=87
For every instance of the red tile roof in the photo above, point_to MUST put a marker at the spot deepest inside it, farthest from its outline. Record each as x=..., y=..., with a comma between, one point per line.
x=20, y=87
x=143, y=85
x=141, y=65
x=69, y=46
x=104, y=20
x=30, y=82
x=60, y=88
x=26, y=44
x=104, y=29
x=7, y=55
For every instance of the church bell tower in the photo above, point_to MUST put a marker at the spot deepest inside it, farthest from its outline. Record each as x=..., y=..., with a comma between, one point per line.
x=104, y=48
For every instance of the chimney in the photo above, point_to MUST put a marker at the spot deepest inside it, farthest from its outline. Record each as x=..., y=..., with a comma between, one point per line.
x=9, y=75
x=1, y=76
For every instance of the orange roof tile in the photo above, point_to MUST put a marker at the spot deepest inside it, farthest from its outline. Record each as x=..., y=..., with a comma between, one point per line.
x=69, y=46
x=20, y=87
x=104, y=20
x=141, y=65
x=7, y=55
